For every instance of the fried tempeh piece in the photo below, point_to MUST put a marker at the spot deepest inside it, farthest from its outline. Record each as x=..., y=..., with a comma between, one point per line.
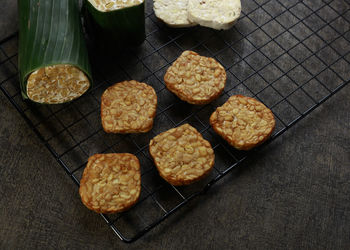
x=128, y=107
x=111, y=183
x=195, y=79
x=243, y=122
x=181, y=155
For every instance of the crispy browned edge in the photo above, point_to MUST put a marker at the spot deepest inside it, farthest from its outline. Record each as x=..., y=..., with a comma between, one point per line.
x=179, y=182
x=85, y=177
x=246, y=147
x=129, y=131
x=186, y=98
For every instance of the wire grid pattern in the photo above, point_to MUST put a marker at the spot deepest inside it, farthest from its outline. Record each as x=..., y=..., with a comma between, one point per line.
x=292, y=55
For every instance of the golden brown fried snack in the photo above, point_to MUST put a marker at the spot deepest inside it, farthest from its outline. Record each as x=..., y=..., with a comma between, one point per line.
x=195, y=79
x=243, y=122
x=111, y=183
x=128, y=107
x=181, y=155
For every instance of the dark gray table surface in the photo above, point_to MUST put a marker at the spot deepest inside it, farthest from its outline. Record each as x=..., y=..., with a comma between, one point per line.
x=292, y=195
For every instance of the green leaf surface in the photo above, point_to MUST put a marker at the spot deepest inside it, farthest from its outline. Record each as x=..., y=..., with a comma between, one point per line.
x=50, y=33
x=123, y=26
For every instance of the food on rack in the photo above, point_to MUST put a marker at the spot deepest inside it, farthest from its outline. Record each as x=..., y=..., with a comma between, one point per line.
x=216, y=14
x=243, y=122
x=173, y=13
x=53, y=59
x=111, y=183
x=128, y=107
x=195, y=79
x=181, y=155
x=118, y=22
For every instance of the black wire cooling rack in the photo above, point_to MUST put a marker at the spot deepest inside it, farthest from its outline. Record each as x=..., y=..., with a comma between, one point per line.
x=292, y=55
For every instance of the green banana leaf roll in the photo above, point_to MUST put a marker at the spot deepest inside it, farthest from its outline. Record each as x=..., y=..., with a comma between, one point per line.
x=53, y=58
x=118, y=22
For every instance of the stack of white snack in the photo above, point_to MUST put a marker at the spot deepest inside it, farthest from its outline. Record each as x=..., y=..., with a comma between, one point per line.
x=216, y=14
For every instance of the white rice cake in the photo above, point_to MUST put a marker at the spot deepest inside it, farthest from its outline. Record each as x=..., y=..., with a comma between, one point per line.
x=173, y=13
x=216, y=14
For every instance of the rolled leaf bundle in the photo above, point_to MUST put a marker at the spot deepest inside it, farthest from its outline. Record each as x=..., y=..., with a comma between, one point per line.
x=118, y=22
x=53, y=58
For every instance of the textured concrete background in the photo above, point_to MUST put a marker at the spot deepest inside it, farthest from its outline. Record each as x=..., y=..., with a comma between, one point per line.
x=293, y=195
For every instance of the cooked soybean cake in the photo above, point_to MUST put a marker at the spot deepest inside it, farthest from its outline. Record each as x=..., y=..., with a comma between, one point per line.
x=195, y=79
x=111, y=182
x=216, y=14
x=173, y=13
x=128, y=107
x=110, y=5
x=57, y=84
x=243, y=122
x=181, y=155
